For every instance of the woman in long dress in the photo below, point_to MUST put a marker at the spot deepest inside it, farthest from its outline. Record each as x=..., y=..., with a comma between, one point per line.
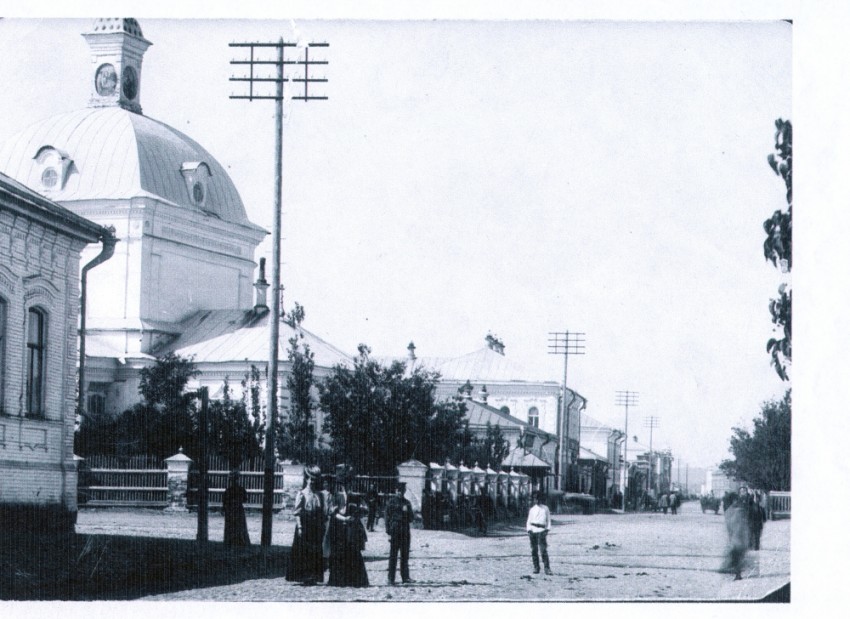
x=738, y=532
x=305, y=560
x=233, y=503
x=346, y=537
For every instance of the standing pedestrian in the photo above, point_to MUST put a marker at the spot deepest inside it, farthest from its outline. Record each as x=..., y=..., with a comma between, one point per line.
x=757, y=516
x=346, y=536
x=664, y=502
x=372, y=507
x=306, y=563
x=538, y=524
x=399, y=514
x=674, y=503
x=233, y=503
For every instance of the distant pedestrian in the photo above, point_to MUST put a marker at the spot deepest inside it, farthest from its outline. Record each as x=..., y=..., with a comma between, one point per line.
x=346, y=536
x=306, y=563
x=372, y=507
x=538, y=524
x=398, y=516
x=233, y=503
x=674, y=503
x=664, y=502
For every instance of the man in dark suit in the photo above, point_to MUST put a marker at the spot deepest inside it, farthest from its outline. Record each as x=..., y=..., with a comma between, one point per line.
x=399, y=514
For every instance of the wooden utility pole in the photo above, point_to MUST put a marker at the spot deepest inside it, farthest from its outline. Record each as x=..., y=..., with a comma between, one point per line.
x=566, y=344
x=203, y=534
x=253, y=80
x=626, y=399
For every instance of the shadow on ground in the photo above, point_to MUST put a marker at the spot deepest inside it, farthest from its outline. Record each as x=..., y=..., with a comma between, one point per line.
x=116, y=567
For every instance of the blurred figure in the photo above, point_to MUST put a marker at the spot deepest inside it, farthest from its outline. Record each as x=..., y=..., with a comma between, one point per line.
x=664, y=502
x=233, y=503
x=674, y=503
x=738, y=531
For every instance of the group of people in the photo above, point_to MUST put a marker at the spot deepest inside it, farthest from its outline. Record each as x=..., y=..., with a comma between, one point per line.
x=745, y=515
x=671, y=500
x=329, y=532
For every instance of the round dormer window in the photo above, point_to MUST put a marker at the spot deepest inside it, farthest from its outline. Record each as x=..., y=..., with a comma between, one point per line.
x=49, y=178
x=198, y=192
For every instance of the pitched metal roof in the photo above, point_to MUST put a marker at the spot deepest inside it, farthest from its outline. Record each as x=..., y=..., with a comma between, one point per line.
x=48, y=212
x=220, y=336
x=518, y=458
x=116, y=154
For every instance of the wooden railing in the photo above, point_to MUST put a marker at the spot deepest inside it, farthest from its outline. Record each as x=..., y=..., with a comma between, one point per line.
x=778, y=505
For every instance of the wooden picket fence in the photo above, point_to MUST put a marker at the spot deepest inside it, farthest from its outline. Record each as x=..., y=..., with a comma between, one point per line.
x=252, y=473
x=112, y=481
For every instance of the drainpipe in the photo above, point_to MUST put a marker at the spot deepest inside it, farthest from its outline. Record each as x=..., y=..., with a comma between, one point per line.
x=109, y=241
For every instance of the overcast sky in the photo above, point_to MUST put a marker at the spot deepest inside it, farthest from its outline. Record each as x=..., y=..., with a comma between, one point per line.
x=514, y=177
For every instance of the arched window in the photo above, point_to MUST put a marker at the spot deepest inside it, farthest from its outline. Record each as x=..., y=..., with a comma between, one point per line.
x=534, y=417
x=36, y=349
x=505, y=410
x=3, y=313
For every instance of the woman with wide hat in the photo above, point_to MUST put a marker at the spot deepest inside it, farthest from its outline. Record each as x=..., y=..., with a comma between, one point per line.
x=346, y=535
x=305, y=560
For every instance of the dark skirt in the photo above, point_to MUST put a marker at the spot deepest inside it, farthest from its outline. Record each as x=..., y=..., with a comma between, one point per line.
x=346, y=565
x=347, y=569
x=306, y=563
x=235, y=527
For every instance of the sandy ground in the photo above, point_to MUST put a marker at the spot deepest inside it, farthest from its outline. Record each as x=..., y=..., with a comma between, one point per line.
x=601, y=557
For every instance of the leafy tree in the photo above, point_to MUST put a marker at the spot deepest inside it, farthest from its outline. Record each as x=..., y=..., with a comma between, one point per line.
x=166, y=418
x=378, y=416
x=232, y=432
x=763, y=458
x=777, y=249
x=296, y=439
x=487, y=450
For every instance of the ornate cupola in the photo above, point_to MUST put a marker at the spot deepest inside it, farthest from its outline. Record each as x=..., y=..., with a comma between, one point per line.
x=117, y=47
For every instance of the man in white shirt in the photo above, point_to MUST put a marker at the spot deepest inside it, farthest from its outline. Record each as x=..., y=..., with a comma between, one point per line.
x=538, y=525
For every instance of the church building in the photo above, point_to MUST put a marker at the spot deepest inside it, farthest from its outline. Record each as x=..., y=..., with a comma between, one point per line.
x=182, y=277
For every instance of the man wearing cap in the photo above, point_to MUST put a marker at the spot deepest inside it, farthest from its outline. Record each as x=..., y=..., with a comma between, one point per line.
x=399, y=513
x=538, y=524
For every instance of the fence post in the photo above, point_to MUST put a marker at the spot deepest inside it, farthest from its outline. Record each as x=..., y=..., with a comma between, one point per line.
x=293, y=480
x=178, y=481
x=413, y=473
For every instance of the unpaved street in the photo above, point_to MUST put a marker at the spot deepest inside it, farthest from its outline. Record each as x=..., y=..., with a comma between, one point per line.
x=600, y=557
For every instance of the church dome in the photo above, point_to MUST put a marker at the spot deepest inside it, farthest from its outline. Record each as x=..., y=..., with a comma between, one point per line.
x=110, y=153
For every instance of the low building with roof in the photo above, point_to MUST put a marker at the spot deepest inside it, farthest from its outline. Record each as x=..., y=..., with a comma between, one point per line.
x=507, y=387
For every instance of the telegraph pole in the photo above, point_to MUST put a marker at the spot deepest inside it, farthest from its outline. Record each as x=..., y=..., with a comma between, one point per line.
x=303, y=79
x=566, y=344
x=203, y=534
x=651, y=422
x=626, y=399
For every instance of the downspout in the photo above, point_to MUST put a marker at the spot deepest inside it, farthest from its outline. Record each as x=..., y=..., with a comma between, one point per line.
x=109, y=241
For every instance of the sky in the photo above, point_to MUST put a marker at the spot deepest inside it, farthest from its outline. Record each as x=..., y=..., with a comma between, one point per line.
x=507, y=176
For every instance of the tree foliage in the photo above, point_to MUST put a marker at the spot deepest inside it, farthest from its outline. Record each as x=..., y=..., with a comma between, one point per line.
x=763, y=458
x=777, y=249
x=296, y=438
x=233, y=433
x=487, y=450
x=380, y=416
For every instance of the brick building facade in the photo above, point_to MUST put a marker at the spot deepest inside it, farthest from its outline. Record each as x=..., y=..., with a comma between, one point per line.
x=40, y=245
